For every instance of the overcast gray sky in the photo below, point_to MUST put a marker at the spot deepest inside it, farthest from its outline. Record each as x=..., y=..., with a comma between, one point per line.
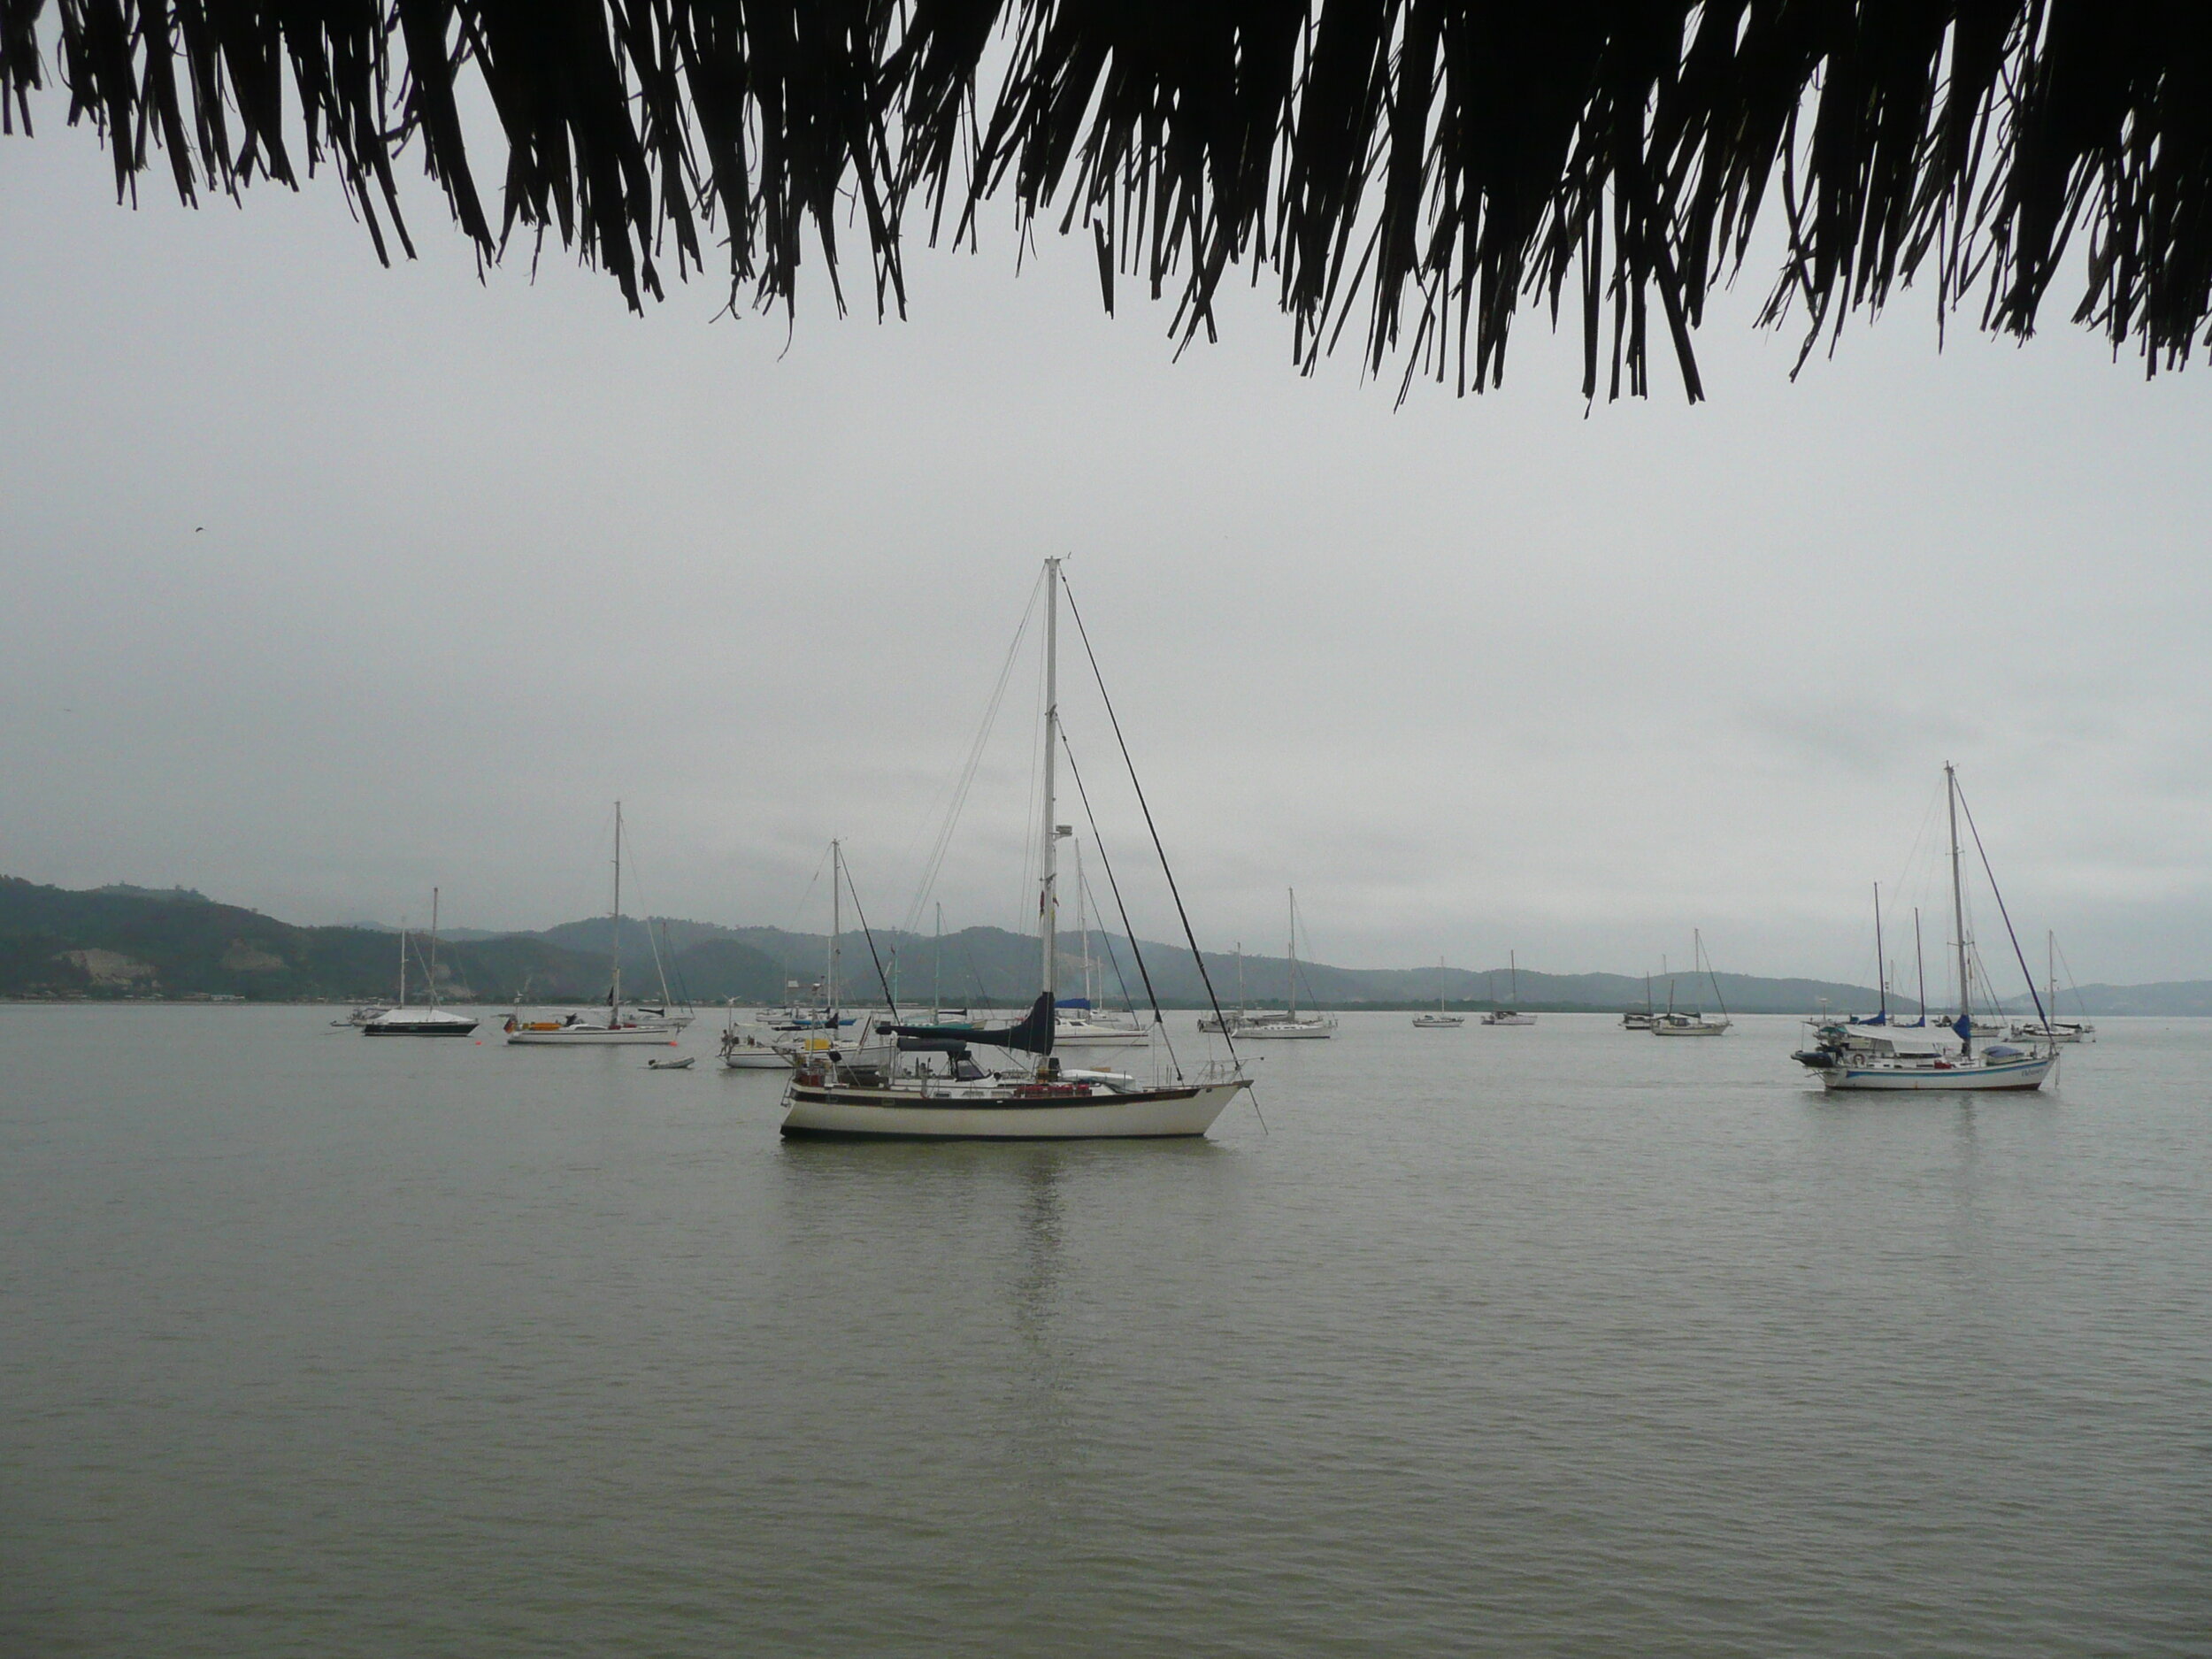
x=1480, y=675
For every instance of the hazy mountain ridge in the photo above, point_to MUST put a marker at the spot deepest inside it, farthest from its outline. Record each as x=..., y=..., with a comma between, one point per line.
x=118, y=942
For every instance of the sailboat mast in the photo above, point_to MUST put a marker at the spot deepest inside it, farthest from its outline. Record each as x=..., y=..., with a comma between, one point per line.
x=1291, y=1004
x=937, y=965
x=1878, y=952
x=1697, y=941
x=837, y=916
x=1083, y=923
x=1958, y=905
x=433, y=947
x=1047, y=895
x=1920, y=962
x=403, y=962
x=614, y=995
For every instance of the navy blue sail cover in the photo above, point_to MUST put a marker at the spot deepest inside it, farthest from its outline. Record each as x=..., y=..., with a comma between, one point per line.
x=1032, y=1035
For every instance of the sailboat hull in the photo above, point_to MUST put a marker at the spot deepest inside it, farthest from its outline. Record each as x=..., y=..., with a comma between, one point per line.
x=831, y=1113
x=403, y=1024
x=589, y=1036
x=2017, y=1075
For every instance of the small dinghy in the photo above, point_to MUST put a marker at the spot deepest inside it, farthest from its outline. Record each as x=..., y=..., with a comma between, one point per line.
x=683, y=1064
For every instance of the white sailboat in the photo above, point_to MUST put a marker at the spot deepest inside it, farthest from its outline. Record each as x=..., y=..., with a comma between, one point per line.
x=1511, y=1014
x=574, y=1031
x=1697, y=1022
x=1223, y=1021
x=747, y=1048
x=428, y=1020
x=1440, y=1020
x=779, y=1038
x=671, y=1013
x=1848, y=1058
x=1289, y=1025
x=1078, y=1022
x=2051, y=1026
x=1639, y=1018
x=912, y=1098
x=816, y=1006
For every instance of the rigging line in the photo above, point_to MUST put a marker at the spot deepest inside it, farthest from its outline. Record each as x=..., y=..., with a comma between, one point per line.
x=1113, y=959
x=2080, y=1006
x=660, y=968
x=1032, y=869
x=2035, y=996
x=683, y=990
x=792, y=926
x=965, y=782
x=1143, y=972
x=1182, y=915
x=789, y=931
x=983, y=997
x=882, y=979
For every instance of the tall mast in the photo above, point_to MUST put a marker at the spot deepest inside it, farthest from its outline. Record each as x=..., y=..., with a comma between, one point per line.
x=1291, y=1004
x=837, y=916
x=1958, y=905
x=1878, y=952
x=403, y=962
x=1920, y=961
x=1083, y=923
x=433, y=947
x=614, y=995
x=937, y=967
x=1697, y=944
x=1048, y=882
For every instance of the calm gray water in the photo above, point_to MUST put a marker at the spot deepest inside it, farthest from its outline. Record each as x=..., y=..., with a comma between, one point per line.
x=1559, y=1340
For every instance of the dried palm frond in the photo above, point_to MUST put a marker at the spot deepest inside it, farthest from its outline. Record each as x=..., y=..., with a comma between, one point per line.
x=1423, y=167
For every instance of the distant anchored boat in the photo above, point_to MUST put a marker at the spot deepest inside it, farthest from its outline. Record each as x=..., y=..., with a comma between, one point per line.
x=427, y=1020
x=1854, y=1058
x=618, y=1029
x=1289, y=1025
x=1511, y=1014
x=1440, y=1020
x=2051, y=1026
x=1696, y=1023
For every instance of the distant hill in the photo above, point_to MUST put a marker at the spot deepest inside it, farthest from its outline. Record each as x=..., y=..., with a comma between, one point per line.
x=126, y=941
x=169, y=895
x=461, y=934
x=112, y=942
x=2183, y=998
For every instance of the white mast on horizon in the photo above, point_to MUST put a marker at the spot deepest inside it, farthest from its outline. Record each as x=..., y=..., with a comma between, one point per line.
x=1047, y=885
x=614, y=994
x=1958, y=909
